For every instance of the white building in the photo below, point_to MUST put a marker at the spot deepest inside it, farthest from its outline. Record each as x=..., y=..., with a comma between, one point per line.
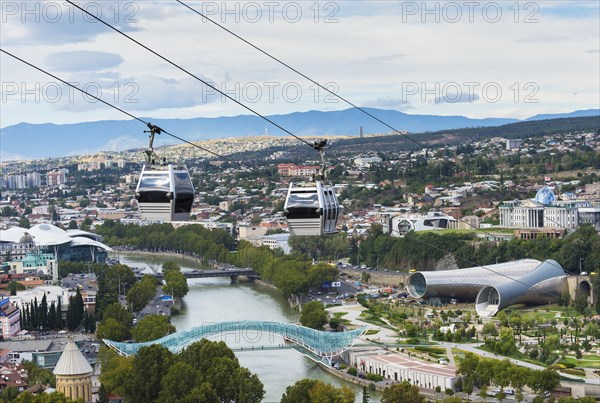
x=278, y=241
x=402, y=224
x=366, y=162
x=52, y=293
x=400, y=367
x=558, y=214
x=512, y=144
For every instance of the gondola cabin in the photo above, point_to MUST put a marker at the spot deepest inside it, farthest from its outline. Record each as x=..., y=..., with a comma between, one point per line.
x=165, y=193
x=311, y=209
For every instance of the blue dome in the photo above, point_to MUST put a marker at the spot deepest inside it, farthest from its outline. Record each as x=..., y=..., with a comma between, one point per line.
x=545, y=196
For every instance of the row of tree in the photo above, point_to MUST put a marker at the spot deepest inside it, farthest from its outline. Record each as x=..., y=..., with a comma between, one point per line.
x=205, y=371
x=37, y=316
x=483, y=372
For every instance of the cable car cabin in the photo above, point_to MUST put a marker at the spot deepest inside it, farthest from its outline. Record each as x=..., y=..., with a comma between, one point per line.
x=311, y=209
x=165, y=193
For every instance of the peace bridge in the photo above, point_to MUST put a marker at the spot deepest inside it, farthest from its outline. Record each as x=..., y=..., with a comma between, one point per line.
x=322, y=344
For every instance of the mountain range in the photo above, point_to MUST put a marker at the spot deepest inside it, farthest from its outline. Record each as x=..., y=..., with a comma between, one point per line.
x=53, y=140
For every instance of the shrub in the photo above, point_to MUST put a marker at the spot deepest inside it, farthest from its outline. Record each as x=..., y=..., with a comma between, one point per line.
x=374, y=377
x=352, y=371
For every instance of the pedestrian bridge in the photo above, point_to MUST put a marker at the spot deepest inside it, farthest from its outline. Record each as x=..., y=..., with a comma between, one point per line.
x=322, y=344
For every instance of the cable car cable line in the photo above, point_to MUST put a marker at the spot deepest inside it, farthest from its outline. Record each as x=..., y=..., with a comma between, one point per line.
x=189, y=73
x=148, y=124
x=337, y=95
x=210, y=86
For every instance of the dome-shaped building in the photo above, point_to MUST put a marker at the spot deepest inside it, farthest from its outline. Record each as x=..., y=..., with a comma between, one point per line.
x=74, y=374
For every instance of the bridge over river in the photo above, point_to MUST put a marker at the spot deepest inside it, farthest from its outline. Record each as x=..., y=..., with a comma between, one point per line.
x=233, y=274
x=322, y=344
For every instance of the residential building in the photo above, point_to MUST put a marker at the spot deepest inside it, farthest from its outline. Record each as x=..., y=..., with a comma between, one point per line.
x=10, y=319
x=366, y=162
x=278, y=241
x=512, y=144
x=55, y=178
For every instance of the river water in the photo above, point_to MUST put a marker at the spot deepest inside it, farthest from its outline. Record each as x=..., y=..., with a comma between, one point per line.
x=216, y=300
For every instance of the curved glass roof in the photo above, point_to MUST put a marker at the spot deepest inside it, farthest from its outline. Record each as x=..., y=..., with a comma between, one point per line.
x=323, y=344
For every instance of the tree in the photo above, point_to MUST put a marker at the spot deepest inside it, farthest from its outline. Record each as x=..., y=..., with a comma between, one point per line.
x=176, y=282
x=15, y=286
x=116, y=370
x=314, y=391
x=150, y=364
x=72, y=224
x=141, y=292
x=544, y=380
x=219, y=367
x=178, y=382
x=152, y=327
x=313, y=315
x=402, y=392
x=365, y=395
x=102, y=398
x=112, y=329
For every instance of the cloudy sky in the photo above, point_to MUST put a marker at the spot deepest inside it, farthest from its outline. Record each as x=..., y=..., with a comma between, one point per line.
x=478, y=59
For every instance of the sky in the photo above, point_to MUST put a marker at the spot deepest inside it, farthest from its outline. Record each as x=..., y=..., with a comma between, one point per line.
x=472, y=58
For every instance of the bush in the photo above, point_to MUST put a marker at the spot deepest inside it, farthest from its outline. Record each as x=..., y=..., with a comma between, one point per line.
x=374, y=377
x=352, y=371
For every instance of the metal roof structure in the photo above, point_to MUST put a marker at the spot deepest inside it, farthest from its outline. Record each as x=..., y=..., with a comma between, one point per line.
x=541, y=286
x=72, y=362
x=493, y=287
x=322, y=344
x=466, y=283
x=45, y=235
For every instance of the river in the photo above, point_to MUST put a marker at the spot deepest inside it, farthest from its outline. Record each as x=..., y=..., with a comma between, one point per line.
x=216, y=300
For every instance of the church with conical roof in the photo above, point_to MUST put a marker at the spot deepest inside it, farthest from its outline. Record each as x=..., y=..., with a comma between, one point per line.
x=74, y=374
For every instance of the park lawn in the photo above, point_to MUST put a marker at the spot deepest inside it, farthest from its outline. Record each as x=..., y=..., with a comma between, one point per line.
x=588, y=361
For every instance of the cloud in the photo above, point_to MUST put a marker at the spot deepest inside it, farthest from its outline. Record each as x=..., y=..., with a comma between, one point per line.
x=144, y=93
x=377, y=59
x=463, y=97
x=390, y=103
x=55, y=23
x=82, y=60
x=545, y=38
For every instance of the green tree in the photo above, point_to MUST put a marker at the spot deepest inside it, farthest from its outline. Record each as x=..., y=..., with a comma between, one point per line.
x=141, y=292
x=150, y=365
x=365, y=395
x=176, y=283
x=314, y=391
x=112, y=329
x=178, y=382
x=219, y=367
x=152, y=327
x=402, y=392
x=544, y=380
x=313, y=315
x=116, y=370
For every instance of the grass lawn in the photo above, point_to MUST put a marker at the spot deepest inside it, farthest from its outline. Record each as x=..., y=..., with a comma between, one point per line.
x=588, y=361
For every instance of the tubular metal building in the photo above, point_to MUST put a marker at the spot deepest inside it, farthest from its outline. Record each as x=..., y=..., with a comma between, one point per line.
x=493, y=287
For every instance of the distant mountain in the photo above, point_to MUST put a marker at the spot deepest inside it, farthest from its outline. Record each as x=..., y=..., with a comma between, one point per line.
x=576, y=114
x=50, y=140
